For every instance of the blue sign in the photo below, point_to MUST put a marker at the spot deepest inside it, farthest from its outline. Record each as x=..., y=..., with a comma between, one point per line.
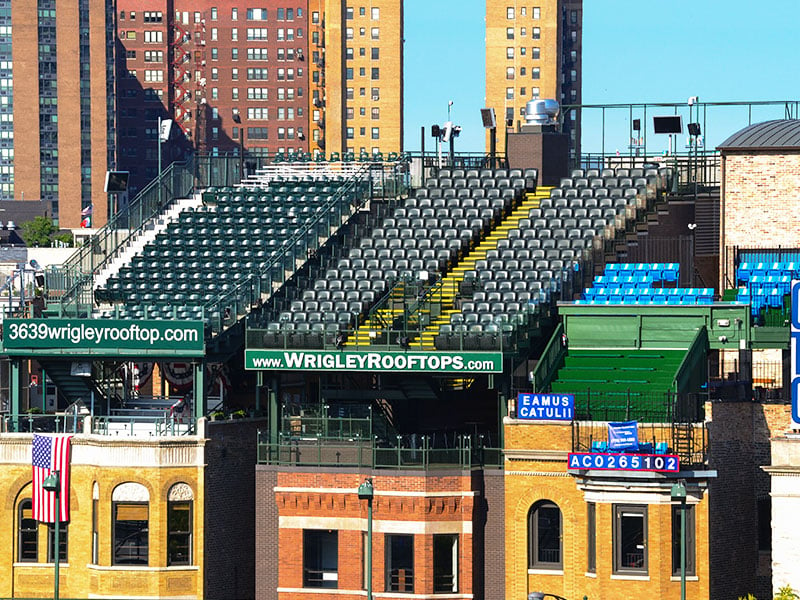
x=623, y=436
x=795, y=358
x=546, y=407
x=666, y=463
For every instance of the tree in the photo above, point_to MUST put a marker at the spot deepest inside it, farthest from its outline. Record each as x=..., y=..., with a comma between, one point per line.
x=38, y=232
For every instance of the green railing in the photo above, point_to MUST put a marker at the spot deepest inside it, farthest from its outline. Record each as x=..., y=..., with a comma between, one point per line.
x=226, y=310
x=325, y=427
x=550, y=360
x=366, y=453
x=71, y=283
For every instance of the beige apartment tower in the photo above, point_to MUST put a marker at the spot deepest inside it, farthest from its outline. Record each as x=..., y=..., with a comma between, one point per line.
x=533, y=50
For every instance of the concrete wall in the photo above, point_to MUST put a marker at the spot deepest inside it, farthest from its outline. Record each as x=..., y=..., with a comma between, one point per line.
x=785, y=485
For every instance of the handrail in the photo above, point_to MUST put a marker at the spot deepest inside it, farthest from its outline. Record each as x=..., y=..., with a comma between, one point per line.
x=107, y=242
x=226, y=310
x=549, y=361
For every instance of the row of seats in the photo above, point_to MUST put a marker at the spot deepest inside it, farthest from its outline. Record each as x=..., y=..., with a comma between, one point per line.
x=559, y=222
x=646, y=295
x=424, y=235
x=655, y=271
x=766, y=283
x=746, y=271
x=620, y=172
x=207, y=252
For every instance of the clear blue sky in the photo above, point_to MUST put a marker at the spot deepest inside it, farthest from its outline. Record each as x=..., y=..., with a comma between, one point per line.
x=633, y=51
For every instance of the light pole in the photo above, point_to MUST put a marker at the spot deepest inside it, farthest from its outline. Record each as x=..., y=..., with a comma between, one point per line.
x=238, y=120
x=50, y=484
x=679, y=493
x=366, y=492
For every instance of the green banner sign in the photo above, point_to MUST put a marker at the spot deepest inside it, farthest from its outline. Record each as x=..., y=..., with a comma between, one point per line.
x=98, y=336
x=363, y=360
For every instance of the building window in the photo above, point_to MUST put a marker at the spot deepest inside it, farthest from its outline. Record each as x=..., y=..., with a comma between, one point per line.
x=28, y=533
x=257, y=54
x=535, y=73
x=544, y=536
x=256, y=14
x=522, y=95
x=690, y=540
x=258, y=113
x=509, y=72
x=445, y=564
x=95, y=524
x=573, y=75
x=376, y=54
x=234, y=14
x=257, y=133
x=215, y=53
x=376, y=73
x=348, y=33
x=214, y=34
x=537, y=33
x=376, y=113
x=235, y=74
x=315, y=17
x=62, y=542
x=348, y=73
x=376, y=133
x=399, y=563
x=510, y=93
x=179, y=524
x=510, y=52
x=130, y=532
x=535, y=92
x=214, y=13
x=510, y=12
x=509, y=33
x=535, y=52
x=375, y=13
x=234, y=54
x=349, y=93
x=153, y=37
x=630, y=539
x=349, y=133
x=537, y=12
x=591, y=537
x=348, y=13
x=375, y=33
x=376, y=94
x=320, y=558
x=130, y=527
x=257, y=33
x=573, y=17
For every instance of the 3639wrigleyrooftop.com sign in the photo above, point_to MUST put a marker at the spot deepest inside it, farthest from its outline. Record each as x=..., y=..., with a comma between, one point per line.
x=21, y=336
x=361, y=360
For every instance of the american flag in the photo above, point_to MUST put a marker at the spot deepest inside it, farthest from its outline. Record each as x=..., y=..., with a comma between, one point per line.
x=50, y=453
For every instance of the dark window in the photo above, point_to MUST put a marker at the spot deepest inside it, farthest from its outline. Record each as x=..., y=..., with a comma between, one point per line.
x=376, y=53
x=676, y=540
x=445, y=564
x=591, y=537
x=179, y=530
x=28, y=545
x=400, y=563
x=62, y=542
x=544, y=536
x=320, y=558
x=764, y=514
x=95, y=533
x=630, y=539
x=130, y=531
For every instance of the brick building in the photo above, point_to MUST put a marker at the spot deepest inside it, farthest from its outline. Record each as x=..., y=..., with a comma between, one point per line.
x=760, y=179
x=57, y=113
x=312, y=76
x=533, y=52
x=145, y=514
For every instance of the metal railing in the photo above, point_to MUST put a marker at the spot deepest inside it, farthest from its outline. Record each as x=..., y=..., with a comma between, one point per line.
x=367, y=453
x=692, y=451
x=132, y=426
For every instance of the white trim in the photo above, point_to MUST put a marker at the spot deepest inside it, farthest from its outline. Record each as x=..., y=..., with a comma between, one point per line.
x=38, y=565
x=537, y=473
x=378, y=526
x=354, y=491
x=326, y=591
x=688, y=578
x=631, y=577
x=545, y=571
x=589, y=574
x=122, y=597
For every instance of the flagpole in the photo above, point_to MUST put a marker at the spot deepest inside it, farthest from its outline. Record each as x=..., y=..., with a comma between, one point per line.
x=51, y=484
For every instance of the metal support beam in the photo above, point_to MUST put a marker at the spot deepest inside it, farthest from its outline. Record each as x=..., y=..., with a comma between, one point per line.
x=15, y=391
x=199, y=388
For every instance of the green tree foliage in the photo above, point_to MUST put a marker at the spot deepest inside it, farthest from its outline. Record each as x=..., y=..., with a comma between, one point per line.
x=786, y=593
x=38, y=232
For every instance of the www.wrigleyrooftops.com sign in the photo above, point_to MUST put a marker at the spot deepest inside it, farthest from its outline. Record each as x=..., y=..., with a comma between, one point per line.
x=93, y=336
x=361, y=360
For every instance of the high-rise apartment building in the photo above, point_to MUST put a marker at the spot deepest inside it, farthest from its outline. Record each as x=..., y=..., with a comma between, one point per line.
x=57, y=104
x=533, y=50
x=310, y=76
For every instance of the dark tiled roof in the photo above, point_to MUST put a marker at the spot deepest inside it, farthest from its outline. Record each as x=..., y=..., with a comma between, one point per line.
x=782, y=134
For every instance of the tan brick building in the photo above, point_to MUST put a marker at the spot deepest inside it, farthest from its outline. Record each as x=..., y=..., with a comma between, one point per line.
x=593, y=533
x=533, y=50
x=759, y=201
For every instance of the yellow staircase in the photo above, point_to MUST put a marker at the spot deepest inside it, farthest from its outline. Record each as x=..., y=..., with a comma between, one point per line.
x=450, y=283
x=391, y=311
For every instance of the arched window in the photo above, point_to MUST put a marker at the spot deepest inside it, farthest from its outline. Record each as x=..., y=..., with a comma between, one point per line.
x=130, y=530
x=544, y=536
x=179, y=525
x=27, y=533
